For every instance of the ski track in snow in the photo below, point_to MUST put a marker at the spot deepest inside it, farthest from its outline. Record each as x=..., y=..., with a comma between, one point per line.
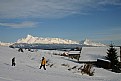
x=8, y=79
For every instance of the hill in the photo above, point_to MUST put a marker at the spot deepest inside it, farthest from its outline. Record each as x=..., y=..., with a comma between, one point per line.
x=27, y=68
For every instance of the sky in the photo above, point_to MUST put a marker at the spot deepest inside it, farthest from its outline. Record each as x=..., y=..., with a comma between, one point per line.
x=97, y=20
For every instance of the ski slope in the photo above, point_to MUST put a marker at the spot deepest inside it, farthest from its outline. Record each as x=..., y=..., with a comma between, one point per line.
x=27, y=68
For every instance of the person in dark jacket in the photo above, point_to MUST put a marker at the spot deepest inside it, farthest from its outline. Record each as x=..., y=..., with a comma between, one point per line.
x=13, y=61
x=43, y=63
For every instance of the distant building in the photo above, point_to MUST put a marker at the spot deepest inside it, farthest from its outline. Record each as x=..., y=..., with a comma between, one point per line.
x=103, y=63
x=74, y=55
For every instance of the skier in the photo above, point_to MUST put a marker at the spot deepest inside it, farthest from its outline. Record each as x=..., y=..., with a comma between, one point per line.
x=43, y=62
x=13, y=61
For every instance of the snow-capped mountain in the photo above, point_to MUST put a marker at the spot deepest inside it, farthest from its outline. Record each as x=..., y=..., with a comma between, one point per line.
x=40, y=40
x=91, y=43
x=31, y=39
x=5, y=44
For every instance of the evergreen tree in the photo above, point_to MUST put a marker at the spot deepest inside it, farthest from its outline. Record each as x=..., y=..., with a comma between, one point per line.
x=112, y=56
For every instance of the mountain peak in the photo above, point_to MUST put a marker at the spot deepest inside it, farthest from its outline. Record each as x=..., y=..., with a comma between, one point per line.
x=91, y=43
x=31, y=39
x=29, y=35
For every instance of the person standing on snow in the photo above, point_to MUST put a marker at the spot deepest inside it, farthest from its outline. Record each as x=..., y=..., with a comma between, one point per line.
x=13, y=61
x=43, y=62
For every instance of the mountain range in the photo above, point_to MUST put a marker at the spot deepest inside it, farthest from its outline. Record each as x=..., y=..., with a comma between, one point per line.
x=29, y=39
x=91, y=43
x=5, y=44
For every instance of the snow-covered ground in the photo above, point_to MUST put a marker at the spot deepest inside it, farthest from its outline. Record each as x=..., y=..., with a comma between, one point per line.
x=27, y=68
x=92, y=53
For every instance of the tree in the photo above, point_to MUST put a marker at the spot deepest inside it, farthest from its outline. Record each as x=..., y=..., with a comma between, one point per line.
x=112, y=56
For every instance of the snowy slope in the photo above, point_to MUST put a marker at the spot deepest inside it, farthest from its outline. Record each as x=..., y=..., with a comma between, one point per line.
x=93, y=53
x=28, y=64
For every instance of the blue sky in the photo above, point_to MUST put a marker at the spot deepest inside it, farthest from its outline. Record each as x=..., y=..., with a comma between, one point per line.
x=97, y=20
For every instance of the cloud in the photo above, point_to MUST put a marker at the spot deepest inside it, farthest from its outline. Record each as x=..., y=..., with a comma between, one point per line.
x=49, y=8
x=20, y=25
x=112, y=37
x=109, y=35
x=110, y=2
